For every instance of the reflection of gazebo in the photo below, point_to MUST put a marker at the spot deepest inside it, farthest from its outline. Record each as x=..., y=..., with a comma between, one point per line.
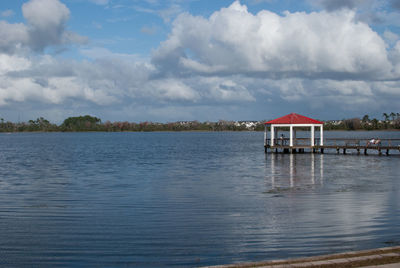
x=293, y=121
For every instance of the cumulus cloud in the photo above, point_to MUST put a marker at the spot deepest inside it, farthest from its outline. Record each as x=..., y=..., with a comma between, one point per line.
x=12, y=63
x=104, y=81
x=233, y=41
x=12, y=36
x=46, y=26
x=47, y=23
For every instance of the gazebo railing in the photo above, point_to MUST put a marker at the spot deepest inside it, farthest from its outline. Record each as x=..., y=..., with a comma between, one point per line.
x=334, y=142
x=286, y=141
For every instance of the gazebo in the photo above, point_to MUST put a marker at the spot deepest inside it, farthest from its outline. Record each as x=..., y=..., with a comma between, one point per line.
x=293, y=121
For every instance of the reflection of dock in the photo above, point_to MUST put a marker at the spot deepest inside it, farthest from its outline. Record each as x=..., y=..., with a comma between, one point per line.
x=294, y=171
x=340, y=145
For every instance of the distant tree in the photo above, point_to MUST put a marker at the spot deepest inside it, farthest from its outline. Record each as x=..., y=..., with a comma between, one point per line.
x=375, y=124
x=397, y=123
x=40, y=124
x=81, y=123
x=352, y=124
x=386, y=117
x=393, y=116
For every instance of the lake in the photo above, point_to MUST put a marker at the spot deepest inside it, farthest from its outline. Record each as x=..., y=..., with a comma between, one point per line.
x=187, y=199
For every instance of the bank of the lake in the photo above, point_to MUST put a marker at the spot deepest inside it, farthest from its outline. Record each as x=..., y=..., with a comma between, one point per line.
x=388, y=257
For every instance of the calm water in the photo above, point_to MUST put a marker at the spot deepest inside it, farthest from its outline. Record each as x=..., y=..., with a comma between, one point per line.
x=187, y=199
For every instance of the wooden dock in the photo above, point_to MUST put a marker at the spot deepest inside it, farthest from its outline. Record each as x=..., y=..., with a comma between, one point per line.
x=338, y=145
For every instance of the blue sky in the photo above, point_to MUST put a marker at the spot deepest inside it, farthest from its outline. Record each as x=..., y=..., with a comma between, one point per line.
x=153, y=60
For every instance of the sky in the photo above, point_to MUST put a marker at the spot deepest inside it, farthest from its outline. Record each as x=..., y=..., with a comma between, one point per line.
x=206, y=60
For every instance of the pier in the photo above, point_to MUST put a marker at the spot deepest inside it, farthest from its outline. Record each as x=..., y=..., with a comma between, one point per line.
x=338, y=145
x=293, y=122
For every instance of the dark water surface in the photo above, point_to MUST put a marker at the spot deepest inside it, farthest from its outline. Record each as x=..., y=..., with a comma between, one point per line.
x=187, y=199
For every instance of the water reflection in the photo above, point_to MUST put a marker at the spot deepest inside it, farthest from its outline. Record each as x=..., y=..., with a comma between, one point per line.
x=321, y=169
x=332, y=202
x=312, y=169
x=292, y=171
x=288, y=171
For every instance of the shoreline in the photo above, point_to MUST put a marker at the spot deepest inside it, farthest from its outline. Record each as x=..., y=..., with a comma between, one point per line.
x=175, y=131
x=361, y=258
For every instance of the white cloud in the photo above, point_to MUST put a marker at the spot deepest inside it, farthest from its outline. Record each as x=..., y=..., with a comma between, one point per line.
x=46, y=14
x=46, y=26
x=228, y=89
x=12, y=63
x=235, y=41
x=47, y=23
x=334, y=96
x=170, y=89
x=12, y=36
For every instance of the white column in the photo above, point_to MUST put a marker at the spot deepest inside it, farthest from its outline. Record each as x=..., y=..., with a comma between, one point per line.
x=272, y=135
x=291, y=136
x=312, y=135
x=265, y=135
x=321, y=135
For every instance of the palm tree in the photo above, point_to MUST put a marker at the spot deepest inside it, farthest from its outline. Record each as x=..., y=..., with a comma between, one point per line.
x=392, y=115
x=386, y=116
x=365, y=118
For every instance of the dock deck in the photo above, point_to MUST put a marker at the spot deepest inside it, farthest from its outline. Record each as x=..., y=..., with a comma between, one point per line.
x=340, y=145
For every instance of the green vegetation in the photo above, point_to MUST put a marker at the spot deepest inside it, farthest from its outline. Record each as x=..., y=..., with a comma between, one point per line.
x=81, y=123
x=390, y=121
x=91, y=123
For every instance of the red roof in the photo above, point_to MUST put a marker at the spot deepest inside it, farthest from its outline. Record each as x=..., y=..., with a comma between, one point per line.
x=294, y=118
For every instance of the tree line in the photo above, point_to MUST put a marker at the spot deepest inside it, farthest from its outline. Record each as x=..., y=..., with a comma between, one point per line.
x=91, y=123
x=388, y=121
